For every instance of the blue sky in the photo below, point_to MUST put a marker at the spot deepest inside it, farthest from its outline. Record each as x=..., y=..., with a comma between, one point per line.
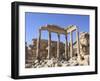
x=33, y=21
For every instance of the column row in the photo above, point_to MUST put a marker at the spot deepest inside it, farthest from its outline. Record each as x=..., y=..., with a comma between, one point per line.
x=58, y=45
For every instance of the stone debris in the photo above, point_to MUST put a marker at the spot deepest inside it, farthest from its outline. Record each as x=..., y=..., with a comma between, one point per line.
x=53, y=62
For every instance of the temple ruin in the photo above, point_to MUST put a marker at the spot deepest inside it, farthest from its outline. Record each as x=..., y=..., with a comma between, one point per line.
x=58, y=30
x=49, y=53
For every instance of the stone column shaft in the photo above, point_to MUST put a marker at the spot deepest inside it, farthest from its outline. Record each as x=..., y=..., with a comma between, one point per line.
x=58, y=46
x=66, y=48
x=38, y=44
x=49, y=45
x=78, y=46
x=71, y=45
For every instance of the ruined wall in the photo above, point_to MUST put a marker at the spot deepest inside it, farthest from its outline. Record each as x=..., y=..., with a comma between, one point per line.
x=31, y=50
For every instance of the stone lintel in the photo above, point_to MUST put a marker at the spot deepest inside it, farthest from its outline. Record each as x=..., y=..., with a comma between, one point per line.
x=70, y=28
x=54, y=28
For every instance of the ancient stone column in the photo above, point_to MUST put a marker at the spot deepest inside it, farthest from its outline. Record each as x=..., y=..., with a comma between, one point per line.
x=71, y=45
x=49, y=45
x=38, y=44
x=58, y=46
x=66, y=48
x=77, y=39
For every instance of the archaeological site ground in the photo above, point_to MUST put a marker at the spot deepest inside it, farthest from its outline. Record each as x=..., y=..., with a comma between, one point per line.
x=49, y=53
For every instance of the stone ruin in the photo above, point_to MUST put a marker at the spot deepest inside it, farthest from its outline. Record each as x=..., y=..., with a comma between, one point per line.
x=48, y=53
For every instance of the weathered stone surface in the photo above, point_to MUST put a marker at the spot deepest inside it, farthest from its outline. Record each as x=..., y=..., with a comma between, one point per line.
x=32, y=62
x=84, y=49
x=84, y=43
